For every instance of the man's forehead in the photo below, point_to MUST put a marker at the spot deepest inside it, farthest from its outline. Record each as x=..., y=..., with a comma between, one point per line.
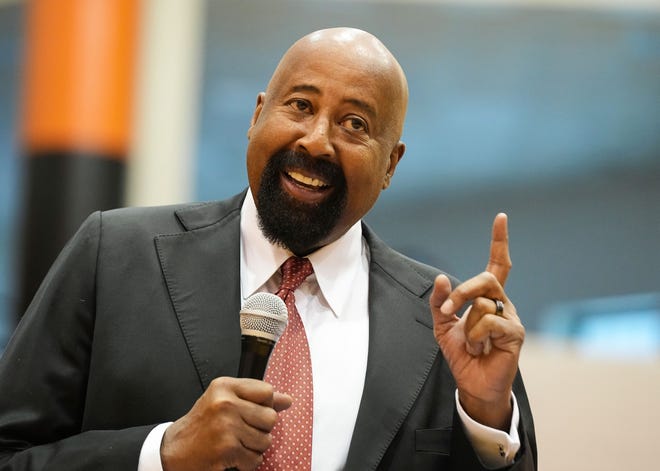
x=356, y=58
x=340, y=68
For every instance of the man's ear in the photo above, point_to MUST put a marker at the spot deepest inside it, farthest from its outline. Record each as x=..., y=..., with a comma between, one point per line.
x=261, y=97
x=395, y=157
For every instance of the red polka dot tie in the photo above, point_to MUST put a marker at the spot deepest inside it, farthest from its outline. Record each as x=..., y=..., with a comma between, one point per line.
x=290, y=371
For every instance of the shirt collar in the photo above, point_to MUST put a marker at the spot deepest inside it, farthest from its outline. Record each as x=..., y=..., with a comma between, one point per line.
x=336, y=265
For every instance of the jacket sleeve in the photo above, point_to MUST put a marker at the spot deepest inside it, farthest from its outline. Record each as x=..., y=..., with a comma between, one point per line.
x=464, y=457
x=44, y=372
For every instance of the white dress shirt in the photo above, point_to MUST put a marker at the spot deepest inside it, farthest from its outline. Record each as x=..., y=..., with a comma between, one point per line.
x=333, y=306
x=332, y=303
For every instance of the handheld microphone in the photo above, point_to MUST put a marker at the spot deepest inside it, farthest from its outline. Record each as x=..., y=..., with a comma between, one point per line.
x=263, y=319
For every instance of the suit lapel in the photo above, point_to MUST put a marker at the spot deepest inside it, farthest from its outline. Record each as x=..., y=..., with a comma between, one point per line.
x=201, y=268
x=401, y=352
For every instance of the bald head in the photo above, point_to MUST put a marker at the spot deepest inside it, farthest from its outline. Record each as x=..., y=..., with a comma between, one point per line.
x=324, y=138
x=353, y=49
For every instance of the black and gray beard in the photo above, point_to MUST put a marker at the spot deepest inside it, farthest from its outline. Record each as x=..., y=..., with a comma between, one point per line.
x=293, y=224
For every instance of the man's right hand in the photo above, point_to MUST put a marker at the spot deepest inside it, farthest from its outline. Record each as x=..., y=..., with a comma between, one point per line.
x=228, y=427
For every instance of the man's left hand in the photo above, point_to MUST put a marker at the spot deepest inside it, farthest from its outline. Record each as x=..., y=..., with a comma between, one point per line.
x=483, y=346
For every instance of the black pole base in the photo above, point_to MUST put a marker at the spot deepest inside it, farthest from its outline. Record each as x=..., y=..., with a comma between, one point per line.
x=61, y=189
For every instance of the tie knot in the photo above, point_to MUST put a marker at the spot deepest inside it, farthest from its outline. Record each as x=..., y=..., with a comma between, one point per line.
x=294, y=272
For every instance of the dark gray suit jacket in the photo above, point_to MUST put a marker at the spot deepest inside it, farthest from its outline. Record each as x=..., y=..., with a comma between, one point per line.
x=140, y=312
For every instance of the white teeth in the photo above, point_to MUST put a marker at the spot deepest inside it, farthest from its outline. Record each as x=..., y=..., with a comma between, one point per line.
x=306, y=180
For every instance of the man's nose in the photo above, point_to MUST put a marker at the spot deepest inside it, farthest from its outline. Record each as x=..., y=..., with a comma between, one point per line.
x=316, y=140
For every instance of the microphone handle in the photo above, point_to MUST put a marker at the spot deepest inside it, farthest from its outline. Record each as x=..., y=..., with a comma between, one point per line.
x=255, y=352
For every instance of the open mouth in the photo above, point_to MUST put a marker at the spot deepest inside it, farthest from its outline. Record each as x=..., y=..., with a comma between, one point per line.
x=308, y=182
x=305, y=188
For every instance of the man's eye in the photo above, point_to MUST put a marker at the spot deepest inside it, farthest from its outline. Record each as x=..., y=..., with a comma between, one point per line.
x=300, y=105
x=355, y=124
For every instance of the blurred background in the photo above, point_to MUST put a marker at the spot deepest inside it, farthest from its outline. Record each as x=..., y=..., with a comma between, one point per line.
x=548, y=110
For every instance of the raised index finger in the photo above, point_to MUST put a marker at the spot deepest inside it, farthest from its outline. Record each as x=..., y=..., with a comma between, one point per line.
x=499, y=263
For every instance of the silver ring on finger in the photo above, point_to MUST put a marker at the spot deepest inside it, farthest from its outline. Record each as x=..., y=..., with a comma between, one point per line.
x=499, y=307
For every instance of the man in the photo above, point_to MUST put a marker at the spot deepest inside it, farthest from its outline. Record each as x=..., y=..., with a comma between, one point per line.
x=126, y=357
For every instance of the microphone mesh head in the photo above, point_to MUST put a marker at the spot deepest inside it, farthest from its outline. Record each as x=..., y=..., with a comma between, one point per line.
x=264, y=315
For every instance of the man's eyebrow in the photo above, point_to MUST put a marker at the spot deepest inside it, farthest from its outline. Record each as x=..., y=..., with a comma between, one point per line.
x=305, y=88
x=362, y=104
x=354, y=101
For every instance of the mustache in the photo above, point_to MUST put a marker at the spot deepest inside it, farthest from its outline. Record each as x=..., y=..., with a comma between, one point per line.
x=330, y=172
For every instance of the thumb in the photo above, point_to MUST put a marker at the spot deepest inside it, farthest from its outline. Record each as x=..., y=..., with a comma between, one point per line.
x=442, y=321
x=281, y=401
x=441, y=290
